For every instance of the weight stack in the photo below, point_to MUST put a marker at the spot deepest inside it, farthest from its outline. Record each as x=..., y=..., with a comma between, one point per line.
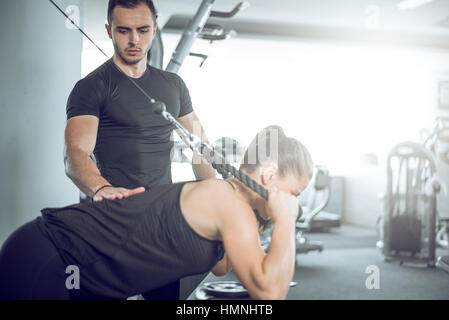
x=410, y=208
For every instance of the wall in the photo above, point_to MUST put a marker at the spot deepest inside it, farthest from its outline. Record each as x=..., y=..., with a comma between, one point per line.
x=40, y=62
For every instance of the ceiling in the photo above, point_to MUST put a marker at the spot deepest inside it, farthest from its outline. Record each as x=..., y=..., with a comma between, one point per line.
x=382, y=16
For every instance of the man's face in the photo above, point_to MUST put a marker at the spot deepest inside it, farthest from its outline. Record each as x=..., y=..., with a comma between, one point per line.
x=132, y=31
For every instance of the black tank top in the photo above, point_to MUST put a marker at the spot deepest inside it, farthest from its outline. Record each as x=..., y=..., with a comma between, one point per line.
x=129, y=246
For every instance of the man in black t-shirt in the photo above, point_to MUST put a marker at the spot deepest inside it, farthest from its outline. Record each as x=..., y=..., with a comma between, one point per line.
x=132, y=144
x=107, y=115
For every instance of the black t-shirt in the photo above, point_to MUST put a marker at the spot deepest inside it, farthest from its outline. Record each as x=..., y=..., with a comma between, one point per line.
x=133, y=144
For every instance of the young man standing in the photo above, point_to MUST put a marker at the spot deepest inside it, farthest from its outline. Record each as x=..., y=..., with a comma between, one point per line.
x=110, y=117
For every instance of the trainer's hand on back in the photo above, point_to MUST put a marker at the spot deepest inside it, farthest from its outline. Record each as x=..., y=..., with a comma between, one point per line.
x=281, y=205
x=113, y=193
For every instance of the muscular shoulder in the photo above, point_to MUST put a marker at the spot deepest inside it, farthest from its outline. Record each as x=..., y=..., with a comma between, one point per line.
x=89, y=93
x=225, y=201
x=213, y=207
x=96, y=81
x=219, y=189
x=214, y=195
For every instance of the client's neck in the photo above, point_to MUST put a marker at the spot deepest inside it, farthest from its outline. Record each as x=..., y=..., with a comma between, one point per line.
x=245, y=193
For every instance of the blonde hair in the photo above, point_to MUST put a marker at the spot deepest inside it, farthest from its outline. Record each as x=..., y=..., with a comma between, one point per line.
x=290, y=155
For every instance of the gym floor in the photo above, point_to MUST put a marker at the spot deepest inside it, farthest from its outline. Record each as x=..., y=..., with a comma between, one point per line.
x=338, y=272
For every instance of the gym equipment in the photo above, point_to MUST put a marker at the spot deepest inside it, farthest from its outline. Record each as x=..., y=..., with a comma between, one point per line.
x=225, y=290
x=433, y=140
x=177, y=153
x=311, y=208
x=443, y=263
x=409, y=220
x=439, y=132
x=197, y=28
x=437, y=141
x=230, y=150
x=155, y=56
x=442, y=237
x=313, y=201
x=206, y=151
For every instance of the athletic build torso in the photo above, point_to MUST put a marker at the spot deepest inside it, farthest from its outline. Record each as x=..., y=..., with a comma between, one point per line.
x=133, y=144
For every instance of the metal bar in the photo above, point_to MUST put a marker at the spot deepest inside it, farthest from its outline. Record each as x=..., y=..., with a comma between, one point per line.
x=189, y=35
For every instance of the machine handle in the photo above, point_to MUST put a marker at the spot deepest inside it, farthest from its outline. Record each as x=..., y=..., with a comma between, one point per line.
x=212, y=37
x=220, y=14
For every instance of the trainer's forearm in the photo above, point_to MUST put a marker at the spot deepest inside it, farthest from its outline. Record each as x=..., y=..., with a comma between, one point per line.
x=202, y=169
x=80, y=168
x=279, y=263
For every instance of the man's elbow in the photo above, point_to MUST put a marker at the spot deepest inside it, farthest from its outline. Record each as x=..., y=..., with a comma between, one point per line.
x=67, y=165
x=204, y=171
x=73, y=159
x=221, y=271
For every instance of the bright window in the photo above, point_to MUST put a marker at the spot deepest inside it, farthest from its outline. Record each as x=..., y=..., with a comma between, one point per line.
x=341, y=101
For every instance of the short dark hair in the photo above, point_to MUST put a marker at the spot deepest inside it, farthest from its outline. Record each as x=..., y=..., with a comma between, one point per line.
x=130, y=4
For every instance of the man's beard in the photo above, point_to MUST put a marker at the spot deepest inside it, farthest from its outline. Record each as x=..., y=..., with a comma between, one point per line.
x=126, y=60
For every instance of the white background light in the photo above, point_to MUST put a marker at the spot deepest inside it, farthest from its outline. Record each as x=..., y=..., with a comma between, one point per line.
x=412, y=4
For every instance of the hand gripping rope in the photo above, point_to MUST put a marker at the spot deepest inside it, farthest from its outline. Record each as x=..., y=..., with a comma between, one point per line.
x=207, y=152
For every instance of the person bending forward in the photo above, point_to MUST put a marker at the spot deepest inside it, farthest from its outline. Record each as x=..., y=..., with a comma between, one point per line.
x=126, y=246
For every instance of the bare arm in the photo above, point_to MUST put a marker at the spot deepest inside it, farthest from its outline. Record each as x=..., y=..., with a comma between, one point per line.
x=222, y=267
x=201, y=168
x=80, y=139
x=264, y=276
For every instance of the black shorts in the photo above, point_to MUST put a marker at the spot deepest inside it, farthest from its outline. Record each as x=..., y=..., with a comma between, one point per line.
x=30, y=267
